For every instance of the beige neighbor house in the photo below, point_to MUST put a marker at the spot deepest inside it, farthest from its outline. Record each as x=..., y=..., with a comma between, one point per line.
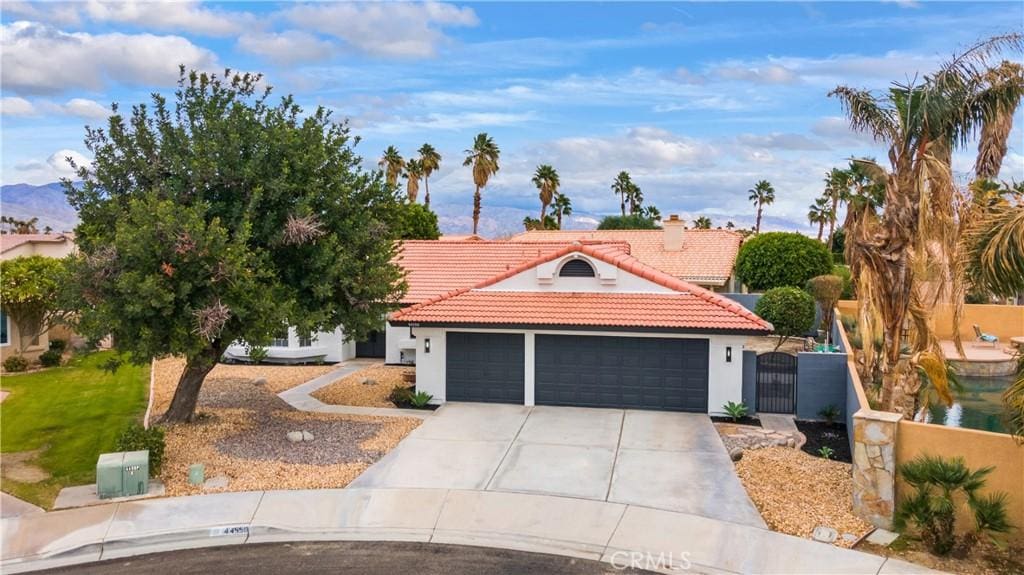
x=22, y=245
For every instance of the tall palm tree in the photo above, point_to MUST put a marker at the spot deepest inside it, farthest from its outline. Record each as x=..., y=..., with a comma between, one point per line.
x=762, y=194
x=820, y=213
x=562, y=206
x=413, y=173
x=650, y=212
x=483, y=157
x=892, y=254
x=635, y=197
x=623, y=186
x=392, y=163
x=702, y=223
x=837, y=189
x=546, y=180
x=430, y=160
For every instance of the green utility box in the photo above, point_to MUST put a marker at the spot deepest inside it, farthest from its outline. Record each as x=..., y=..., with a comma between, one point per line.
x=122, y=474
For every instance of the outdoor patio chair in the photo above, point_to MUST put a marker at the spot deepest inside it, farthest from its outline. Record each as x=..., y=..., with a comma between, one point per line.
x=985, y=337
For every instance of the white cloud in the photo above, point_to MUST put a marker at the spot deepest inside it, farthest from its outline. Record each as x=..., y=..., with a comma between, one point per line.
x=389, y=29
x=288, y=47
x=441, y=121
x=769, y=74
x=781, y=141
x=84, y=108
x=837, y=129
x=50, y=169
x=166, y=15
x=41, y=59
x=14, y=106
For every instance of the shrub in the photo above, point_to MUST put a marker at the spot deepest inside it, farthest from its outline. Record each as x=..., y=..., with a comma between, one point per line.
x=15, y=363
x=257, y=353
x=844, y=273
x=830, y=413
x=401, y=396
x=790, y=310
x=942, y=486
x=417, y=222
x=735, y=410
x=778, y=259
x=630, y=222
x=420, y=399
x=50, y=358
x=58, y=345
x=826, y=291
x=137, y=438
x=826, y=452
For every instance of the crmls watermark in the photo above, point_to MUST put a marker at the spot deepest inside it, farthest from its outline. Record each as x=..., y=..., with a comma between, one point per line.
x=641, y=560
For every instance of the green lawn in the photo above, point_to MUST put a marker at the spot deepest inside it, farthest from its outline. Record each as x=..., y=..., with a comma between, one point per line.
x=73, y=414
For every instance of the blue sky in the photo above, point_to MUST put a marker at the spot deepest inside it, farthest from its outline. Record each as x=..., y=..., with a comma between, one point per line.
x=697, y=101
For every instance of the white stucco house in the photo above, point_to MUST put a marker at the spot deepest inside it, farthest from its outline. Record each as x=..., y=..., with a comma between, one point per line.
x=583, y=325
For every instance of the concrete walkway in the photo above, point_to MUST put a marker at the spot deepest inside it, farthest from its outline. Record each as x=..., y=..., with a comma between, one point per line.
x=11, y=506
x=300, y=396
x=776, y=422
x=567, y=526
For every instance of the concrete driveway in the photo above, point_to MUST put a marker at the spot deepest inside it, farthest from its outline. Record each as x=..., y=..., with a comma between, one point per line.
x=661, y=460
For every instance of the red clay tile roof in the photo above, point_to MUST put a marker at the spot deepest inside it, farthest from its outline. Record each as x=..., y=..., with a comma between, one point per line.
x=11, y=241
x=692, y=307
x=707, y=256
x=434, y=268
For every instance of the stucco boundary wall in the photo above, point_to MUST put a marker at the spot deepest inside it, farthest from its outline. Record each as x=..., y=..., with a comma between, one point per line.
x=1002, y=321
x=911, y=439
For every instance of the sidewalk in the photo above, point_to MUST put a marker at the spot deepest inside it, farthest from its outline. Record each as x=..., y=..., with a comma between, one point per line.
x=539, y=523
x=300, y=396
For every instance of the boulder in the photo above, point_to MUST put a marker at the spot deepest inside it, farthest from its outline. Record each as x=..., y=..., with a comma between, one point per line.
x=259, y=381
x=307, y=436
x=369, y=381
x=736, y=453
x=295, y=436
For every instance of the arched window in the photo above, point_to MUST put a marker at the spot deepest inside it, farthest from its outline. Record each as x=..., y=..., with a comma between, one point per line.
x=576, y=269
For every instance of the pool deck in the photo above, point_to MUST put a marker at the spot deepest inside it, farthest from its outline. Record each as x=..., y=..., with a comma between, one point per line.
x=981, y=359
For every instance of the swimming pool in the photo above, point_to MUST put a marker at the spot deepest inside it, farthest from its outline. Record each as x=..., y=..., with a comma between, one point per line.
x=978, y=406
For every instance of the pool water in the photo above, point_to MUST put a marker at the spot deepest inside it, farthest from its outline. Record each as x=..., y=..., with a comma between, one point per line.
x=978, y=406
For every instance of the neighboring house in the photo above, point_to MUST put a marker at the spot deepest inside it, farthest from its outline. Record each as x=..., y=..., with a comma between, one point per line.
x=582, y=325
x=19, y=245
x=703, y=257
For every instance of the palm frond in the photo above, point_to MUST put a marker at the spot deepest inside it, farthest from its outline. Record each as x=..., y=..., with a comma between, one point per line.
x=866, y=113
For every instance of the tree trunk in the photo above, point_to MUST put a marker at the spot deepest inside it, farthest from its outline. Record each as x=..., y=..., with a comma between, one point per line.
x=757, y=225
x=543, y=208
x=183, y=405
x=821, y=229
x=476, y=209
x=559, y=218
x=832, y=221
x=426, y=191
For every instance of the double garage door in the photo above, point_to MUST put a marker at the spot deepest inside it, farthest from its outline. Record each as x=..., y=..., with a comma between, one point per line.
x=587, y=371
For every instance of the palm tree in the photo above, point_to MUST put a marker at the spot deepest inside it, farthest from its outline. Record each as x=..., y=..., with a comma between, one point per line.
x=820, y=213
x=651, y=213
x=635, y=197
x=623, y=186
x=837, y=189
x=562, y=206
x=546, y=180
x=430, y=160
x=762, y=194
x=892, y=254
x=702, y=223
x=413, y=173
x=483, y=157
x=392, y=163
x=729, y=225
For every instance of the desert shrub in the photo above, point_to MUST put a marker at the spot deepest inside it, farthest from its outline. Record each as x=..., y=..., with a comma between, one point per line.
x=50, y=358
x=830, y=413
x=844, y=273
x=138, y=438
x=779, y=259
x=15, y=363
x=941, y=487
x=401, y=396
x=790, y=311
x=257, y=353
x=420, y=399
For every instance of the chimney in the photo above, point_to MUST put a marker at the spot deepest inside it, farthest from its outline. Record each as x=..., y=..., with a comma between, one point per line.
x=673, y=233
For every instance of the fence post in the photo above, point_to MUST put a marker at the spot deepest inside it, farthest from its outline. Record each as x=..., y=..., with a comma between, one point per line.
x=874, y=466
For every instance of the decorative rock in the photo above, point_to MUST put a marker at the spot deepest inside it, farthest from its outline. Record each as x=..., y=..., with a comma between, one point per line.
x=259, y=381
x=791, y=442
x=849, y=537
x=219, y=482
x=824, y=534
x=307, y=436
x=369, y=381
x=295, y=436
x=736, y=454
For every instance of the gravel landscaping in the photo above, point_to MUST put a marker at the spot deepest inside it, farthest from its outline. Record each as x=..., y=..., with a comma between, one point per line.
x=796, y=492
x=241, y=435
x=354, y=389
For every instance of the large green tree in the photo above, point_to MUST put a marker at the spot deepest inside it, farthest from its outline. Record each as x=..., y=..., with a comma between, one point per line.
x=224, y=217
x=777, y=259
x=483, y=158
x=30, y=290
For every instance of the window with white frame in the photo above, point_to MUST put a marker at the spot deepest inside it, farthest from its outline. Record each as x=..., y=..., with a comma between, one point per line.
x=280, y=339
x=5, y=329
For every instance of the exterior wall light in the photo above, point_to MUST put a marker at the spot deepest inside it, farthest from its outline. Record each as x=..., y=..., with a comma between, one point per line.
x=426, y=345
x=728, y=355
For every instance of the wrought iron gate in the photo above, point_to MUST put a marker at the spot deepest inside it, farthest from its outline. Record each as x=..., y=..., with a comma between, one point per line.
x=776, y=382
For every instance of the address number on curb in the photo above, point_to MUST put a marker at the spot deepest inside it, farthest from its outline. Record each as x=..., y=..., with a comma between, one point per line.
x=229, y=530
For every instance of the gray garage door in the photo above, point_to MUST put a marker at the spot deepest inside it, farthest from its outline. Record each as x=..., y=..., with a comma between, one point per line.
x=628, y=372
x=485, y=367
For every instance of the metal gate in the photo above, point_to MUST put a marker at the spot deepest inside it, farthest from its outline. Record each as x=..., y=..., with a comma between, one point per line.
x=776, y=382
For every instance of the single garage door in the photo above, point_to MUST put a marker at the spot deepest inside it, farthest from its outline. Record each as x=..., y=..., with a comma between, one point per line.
x=625, y=372
x=485, y=367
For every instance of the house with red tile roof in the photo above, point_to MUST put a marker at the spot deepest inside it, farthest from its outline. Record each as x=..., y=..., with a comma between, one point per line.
x=584, y=324
x=702, y=257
